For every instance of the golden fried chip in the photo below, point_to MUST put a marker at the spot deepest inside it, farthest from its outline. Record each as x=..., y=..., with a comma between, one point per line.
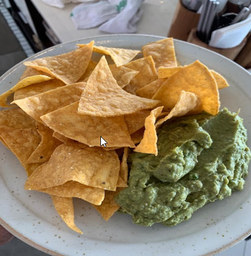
x=186, y=103
x=46, y=146
x=195, y=78
x=123, y=75
x=43, y=103
x=93, y=167
x=21, y=84
x=149, y=142
x=147, y=73
x=162, y=52
x=16, y=118
x=149, y=90
x=166, y=72
x=88, y=129
x=121, y=183
x=22, y=142
x=88, y=71
x=136, y=121
x=34, y=89
x=102, y=95
x=78, y=190
x=62, y=138
x=109, y=205
x=29, y=71
x=67, y=67
x=65, y=209
x=124, y=170
x=220, y=80
x=138, y=136
x=120, y=56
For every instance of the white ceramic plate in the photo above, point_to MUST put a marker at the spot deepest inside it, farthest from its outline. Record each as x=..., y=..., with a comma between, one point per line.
x=30, y=216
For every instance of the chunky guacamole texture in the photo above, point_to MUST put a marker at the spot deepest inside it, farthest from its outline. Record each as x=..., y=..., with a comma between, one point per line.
x=201, y=159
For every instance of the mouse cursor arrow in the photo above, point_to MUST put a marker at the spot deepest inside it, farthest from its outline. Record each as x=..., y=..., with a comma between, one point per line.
x=102, y=142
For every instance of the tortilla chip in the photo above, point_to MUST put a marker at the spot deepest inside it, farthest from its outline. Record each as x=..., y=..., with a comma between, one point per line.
x=162, y=51
x=195, y=78
x=67, y=67
x=147, y=73
x=21, y=84
x=88, y=71
x=149, y=90
x=77, y=190
x=29, y=71
x=16, y=118
x=88, y=129
x=104, y=97
x=188, y=102
x=124, y=170
x=121, y=183
x=136, y=121
x=138, y=135
x=46, y=146
x=123, y=75
x=43, y=103
x=149, y=142
x=119, y=56
x=92, y=167
x=65, y=209
x=166, y=72
x=109, y=205
x=62, y=138
x=220, y=80
x=34, y=89
x=22, y=142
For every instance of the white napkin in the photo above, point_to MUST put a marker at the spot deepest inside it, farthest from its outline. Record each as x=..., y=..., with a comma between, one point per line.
x=125, y=21
x=231, y=36
x=61, y=3
x=114, y=16
x=92, y=15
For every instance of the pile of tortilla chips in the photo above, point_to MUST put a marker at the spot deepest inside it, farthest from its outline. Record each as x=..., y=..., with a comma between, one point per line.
x=64, y=105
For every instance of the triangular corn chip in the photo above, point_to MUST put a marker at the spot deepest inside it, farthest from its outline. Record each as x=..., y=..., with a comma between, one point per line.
x=120, y=56
x=136, y=121
x=195, y=78
x=186, y=103
x=147, y=73
x=43, y=103
x=109, y=205
x=22, y=142
x=88, y=129
x=102, y=95
x=93, y=167
x=123, y=75
x=162, y=51
x=16, y=118
x=34, y=89
x=67, y=67
x=164, y=72
x=149, y=90
x=77, y=190
x=65, y=209
x=46, y=146
x=149, y=142
x=220, y=80
x=21, y=84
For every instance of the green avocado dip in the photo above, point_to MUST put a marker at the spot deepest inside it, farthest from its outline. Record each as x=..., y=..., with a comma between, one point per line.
x=201, y=159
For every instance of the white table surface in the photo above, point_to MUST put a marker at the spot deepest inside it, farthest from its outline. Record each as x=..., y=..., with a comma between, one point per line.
x=156, y=19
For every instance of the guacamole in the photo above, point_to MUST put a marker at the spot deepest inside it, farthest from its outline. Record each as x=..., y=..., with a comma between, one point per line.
x=201, y=159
